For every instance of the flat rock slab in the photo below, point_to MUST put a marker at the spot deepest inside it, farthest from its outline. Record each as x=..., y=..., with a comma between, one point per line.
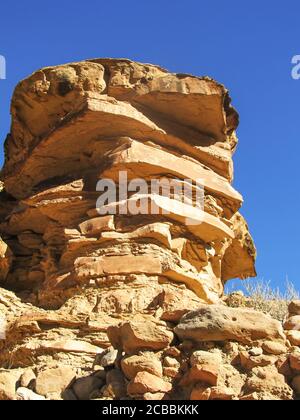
x=221, y=323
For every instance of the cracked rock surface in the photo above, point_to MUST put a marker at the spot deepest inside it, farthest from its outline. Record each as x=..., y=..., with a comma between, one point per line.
x=121, y=305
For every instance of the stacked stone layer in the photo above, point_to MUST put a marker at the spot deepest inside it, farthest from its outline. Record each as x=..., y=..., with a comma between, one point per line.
x=100, y=306
x=76, y=124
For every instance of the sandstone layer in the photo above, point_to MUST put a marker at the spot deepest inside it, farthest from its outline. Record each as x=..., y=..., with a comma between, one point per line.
x=98, y=305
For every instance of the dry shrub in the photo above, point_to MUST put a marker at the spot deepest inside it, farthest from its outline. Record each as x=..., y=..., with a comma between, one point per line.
x=261, y=296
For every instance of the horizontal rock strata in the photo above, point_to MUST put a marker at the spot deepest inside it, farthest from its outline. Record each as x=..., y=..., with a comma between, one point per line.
x=101, y=303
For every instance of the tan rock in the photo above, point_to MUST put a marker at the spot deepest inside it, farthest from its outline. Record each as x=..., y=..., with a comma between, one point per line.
x=145, y=382
x=293, y=323
x=222, y=393
x=239, y=258
x=150, y=263
x=271, y=347
x=293, y=337
x=255, y=351
x=8, y=383
x=171, y=362
x=267, y=380
x=249, y=362
x=201, y=224
x=177, y=303
x=141, y=363
x=54, y=380
x=172, y=352
x=200, y=357
x=205, y=368
x=6, y=257
x=87, y=279
x=250, y=397
x=27, y=378
x=232, y=378
x=220, y=323
x=158, y=396
x=74, y=346
x=153, y=161
x=294, y=307
x=172, y=372
x=143, y=333
x=97, y=225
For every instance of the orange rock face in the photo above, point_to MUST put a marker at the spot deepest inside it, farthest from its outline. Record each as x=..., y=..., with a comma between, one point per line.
x=76, y=124
x=91, y=273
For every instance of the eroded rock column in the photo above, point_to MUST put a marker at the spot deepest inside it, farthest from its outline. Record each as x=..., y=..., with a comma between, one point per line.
x=73, y=126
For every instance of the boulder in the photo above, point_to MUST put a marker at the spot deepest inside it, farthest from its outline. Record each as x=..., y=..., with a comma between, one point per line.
x=221, y=323
x=267, y=382
x=272, y=347
x=145, y=382
x=293, y=337
x=8, y=383
x=205, y=367
x=142, y=333
x=141, y=363
x=54, y=380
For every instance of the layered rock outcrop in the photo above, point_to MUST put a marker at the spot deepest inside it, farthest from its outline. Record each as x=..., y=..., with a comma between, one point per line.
x=75, y=124
x=78, y=278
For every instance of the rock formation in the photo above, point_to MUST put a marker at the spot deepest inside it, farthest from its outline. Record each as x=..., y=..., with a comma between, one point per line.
x=105, y=303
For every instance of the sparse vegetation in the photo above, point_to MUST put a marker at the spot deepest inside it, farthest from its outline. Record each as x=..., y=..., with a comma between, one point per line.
x=261, y=296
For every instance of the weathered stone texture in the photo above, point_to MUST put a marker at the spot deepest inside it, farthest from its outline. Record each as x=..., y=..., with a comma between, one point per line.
x=117, y=306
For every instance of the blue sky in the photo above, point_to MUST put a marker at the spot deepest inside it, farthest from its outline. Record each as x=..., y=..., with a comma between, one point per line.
x=247, y=45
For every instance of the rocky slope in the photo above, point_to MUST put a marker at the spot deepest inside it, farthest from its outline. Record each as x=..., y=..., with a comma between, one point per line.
x=126, y=305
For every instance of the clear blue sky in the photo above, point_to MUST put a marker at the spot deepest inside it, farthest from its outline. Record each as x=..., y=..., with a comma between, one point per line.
x=247, y=45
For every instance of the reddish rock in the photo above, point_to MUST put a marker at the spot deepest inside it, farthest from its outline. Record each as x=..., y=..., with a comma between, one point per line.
x=145, y=382
x=295, y=361
x=200, y=393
